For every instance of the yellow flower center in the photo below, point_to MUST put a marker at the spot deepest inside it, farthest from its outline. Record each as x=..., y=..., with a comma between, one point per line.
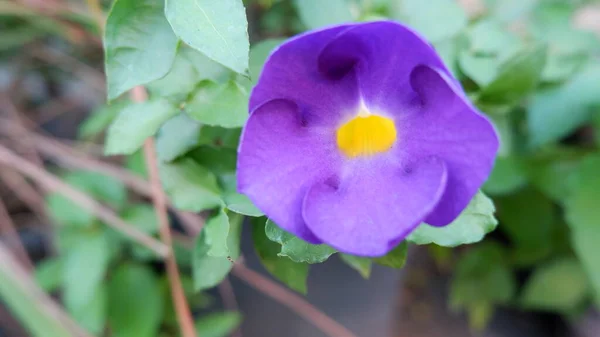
x=366, y=135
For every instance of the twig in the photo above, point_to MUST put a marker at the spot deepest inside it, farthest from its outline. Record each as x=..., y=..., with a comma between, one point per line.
x=8, y=228
x=229, y=301
x=11, y=269
x=96, y=10
x=296, y=303
x=228, y=296
x=54, y=11
x=182, y=309
x=20, y=131
x=53, y=7
x=53, y=109
x=70, y=64
x=52, y=183
x=70, y=157
x=24, y=191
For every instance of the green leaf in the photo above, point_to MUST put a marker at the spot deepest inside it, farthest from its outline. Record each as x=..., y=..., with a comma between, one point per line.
x=291, y=273
x=396, y=258
x=481, y=69
x=241, y=204
x=177, y=83
x=24, y=304
x=135, y=302
x=295, y=248
x=507, y=176
x=318, y=13
x=510, y=10
x=596, y=125
x=560, y=67
x=490, y=44
x=559, y=286
x=218, y=160
x=583, y=217
x=17, y=37
x=92, y=316
x=551, y=171
x=361, y=264
x=63, y=211
x=569, y=48
x=216, y=28
x=49, y=273
x=206, y=68
x=142, y=216
x=190, y=186
x=259, y=54
x=448, y=51
x=480, y=314
x=504, y=125
x=223, y=105
x=211, y=270
x=216, y=231
x=139, y=45
x=471, y=226
x=135, y=124
x=84, y=268
x=517, y=77
x=435, y=19
x=136, y=164
x=555, y=113
x=482, y=276
x=550, y=17
x=218, y=324
x=527, y=218
x=491, y=37
x=103, y=188
x=220, y=137
x=177, y=136
x=100, y=119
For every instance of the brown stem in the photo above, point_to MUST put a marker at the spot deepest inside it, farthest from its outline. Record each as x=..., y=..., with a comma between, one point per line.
x=8, y=228
x=24, y=191
x=20, y=131
x=96, y=9
x=182, y=309
x=295, y=302
x=70, y=64
x=70, y=157
x=229, y=301
x=54, y=184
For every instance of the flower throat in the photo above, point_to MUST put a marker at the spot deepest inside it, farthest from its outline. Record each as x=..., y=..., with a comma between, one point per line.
x=366, y=134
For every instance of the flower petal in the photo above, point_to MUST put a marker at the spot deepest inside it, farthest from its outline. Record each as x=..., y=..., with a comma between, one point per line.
x=291, y=72
x=446, y=125
x=374, y=204
x=383, y=54
x=279, y=159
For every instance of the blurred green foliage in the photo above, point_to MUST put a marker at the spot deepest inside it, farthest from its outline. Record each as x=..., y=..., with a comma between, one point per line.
x=522, y=62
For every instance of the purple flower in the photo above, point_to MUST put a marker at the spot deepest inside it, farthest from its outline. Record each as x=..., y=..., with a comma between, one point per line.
x=357, y=134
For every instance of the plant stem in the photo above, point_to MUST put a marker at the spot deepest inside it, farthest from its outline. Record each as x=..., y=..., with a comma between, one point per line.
x=295, y=302
x=54, y=184
x=182, y=309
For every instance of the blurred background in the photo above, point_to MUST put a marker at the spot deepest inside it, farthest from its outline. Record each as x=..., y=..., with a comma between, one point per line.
x=533, y=66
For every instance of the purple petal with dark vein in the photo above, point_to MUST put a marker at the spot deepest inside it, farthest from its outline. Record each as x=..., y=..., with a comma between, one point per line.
x=382, y=54
x=291, y=72
x=447, y=126
x=373, y=205
x=279, y=159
